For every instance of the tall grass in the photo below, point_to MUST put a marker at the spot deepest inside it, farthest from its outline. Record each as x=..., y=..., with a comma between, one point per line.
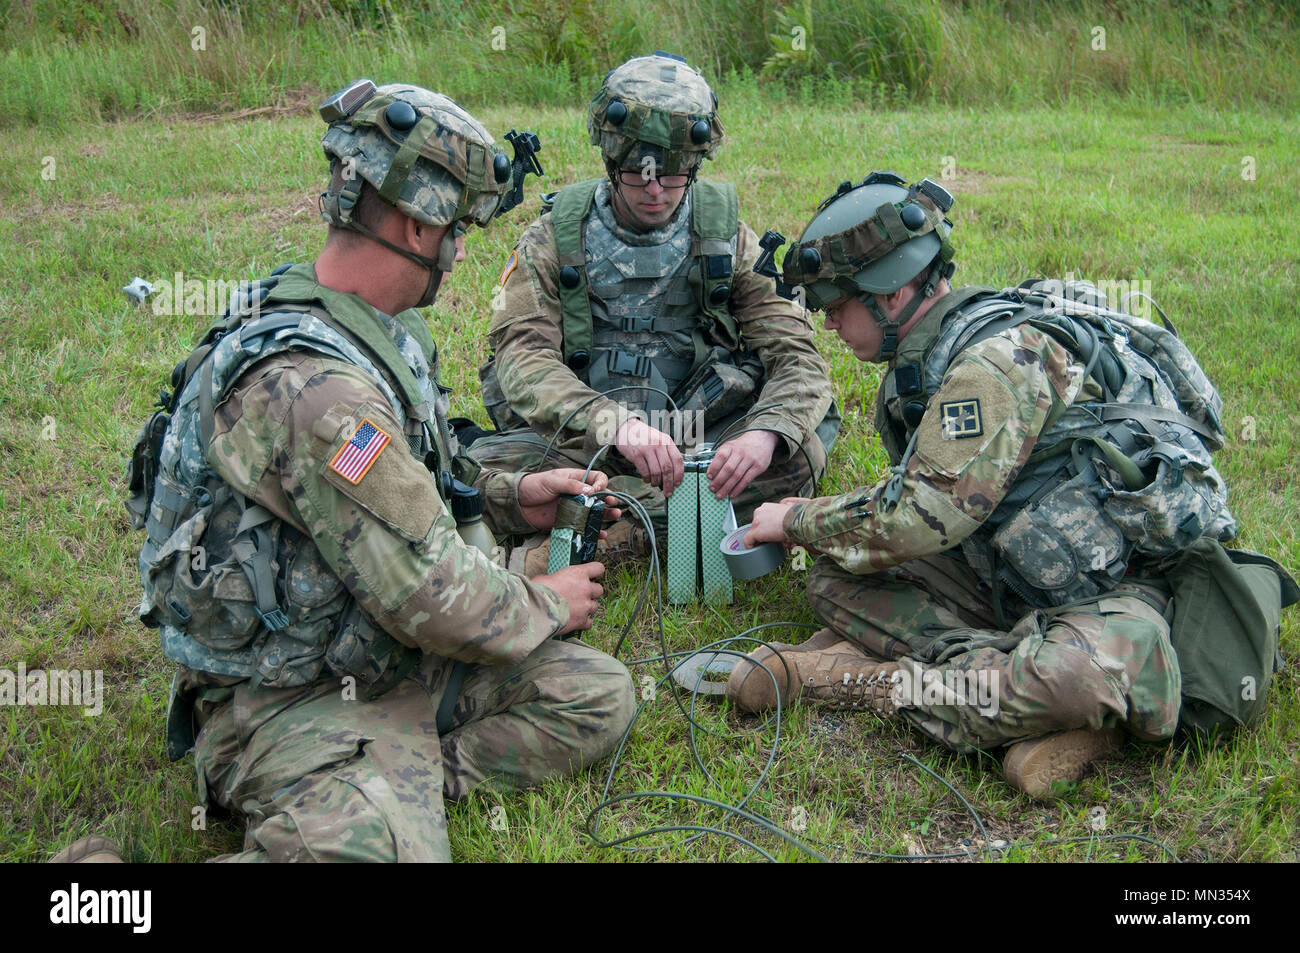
x=83, y=60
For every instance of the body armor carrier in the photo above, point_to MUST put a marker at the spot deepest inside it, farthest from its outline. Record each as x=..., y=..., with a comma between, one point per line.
x=646, y=320
x=1108, y=481
x=648, y=309
x=234, y=590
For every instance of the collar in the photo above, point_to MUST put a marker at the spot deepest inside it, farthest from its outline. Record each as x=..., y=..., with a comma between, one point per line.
x=602, y=205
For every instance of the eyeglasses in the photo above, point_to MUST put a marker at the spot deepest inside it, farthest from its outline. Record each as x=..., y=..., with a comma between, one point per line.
x=641, y=178
x=832, y=309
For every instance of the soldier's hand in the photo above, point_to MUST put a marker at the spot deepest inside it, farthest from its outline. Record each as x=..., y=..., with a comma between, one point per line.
x=538, y=493
x=768, y=525
x=739, y=460
x=577, y=586
x=652, y=452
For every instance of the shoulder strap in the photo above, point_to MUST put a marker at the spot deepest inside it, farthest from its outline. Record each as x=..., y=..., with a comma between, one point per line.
x=571, y=206
x=715, y=219
x=298, y=291
x=913, y=350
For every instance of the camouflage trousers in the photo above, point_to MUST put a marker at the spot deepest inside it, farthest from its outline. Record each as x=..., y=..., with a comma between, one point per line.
x=971, y=685
x=319, y=777
x=793, y=475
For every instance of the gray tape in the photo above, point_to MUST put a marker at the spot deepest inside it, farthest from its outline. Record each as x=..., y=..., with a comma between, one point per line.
x=746, y=563
x=690, y=673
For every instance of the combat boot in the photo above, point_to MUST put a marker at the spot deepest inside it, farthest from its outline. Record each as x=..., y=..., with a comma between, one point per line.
x=529, y=558
x=837, y=675
x=625, y=541
x=1033, y=766
x=89, y=850
x=821, y=639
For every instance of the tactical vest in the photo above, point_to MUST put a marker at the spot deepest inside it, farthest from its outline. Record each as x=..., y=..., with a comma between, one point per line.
x=234, y=590
x=646, y=310
x=1129, y=475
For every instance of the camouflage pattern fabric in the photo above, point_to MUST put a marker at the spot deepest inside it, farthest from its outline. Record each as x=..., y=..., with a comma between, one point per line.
x=1084, y=666
x=787, y=476
x=662, y=98
x=324, y=778
x=897, y=581
x=389, y=538
x=844, y=254
x=978, y=431
x=526, y=336
x=433, y=189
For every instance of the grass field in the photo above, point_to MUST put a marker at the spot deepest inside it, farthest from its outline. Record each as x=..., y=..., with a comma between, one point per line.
x=1199, y=202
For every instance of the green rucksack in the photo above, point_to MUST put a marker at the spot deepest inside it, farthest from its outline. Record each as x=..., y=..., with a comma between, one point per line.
x=1227, y=608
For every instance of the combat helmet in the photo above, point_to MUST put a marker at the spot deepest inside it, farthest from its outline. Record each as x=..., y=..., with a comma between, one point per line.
x=657, y=107
x=870, y=238
x=422, y=153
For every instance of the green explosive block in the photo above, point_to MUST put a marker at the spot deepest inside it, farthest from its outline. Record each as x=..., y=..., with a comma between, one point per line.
x=715, y=577
x=561, y=550
x=684, y=539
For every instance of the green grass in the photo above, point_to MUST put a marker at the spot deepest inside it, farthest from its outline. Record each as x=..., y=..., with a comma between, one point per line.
x=111, y=59
x=1118, y=192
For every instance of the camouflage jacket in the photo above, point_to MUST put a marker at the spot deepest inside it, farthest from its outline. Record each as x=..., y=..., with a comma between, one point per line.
x=335, y=548
x=389, y=537
x=1004, y=386
x=526, y=336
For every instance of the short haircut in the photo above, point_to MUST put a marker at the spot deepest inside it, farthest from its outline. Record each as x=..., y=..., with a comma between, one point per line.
x=371, y=211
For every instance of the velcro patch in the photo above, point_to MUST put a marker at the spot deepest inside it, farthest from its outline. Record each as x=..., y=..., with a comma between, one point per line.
x=961, y=418
x=358, y=455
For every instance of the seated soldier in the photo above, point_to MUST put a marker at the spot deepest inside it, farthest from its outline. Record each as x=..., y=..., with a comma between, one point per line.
x=345, y=659
x=636, y=293
x=999, y=586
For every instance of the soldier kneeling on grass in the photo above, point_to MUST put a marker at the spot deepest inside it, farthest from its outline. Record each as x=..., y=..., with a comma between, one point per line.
x=1045, y=551
x=345, y=659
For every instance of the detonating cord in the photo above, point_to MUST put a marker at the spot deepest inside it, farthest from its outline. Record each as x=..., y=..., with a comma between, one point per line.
x=583, y=406
x=740, y=810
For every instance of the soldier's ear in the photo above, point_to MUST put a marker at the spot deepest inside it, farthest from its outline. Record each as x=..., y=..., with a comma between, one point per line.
x=896, y=299
x=415, y=235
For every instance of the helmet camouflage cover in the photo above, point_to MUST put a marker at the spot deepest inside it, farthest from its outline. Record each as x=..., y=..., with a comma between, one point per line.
x=657, y=106
x=422, y=153
x=872, y=237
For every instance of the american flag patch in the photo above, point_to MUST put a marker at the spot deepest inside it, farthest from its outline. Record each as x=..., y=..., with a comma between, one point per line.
x=355, y=457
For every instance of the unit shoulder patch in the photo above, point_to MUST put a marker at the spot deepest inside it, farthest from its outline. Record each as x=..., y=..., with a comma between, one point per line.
x=961, y=418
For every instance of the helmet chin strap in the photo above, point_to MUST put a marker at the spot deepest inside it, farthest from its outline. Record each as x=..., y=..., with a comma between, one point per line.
x=890, y=326
x=437, y=267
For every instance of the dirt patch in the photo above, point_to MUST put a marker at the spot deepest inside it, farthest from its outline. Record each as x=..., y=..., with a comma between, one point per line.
x=294, y=102
x=973, y=182
x=294, y=206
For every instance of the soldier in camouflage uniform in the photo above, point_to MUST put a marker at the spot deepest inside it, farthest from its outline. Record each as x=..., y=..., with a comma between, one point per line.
x=997, y=587
x=639, y=286
x=346, y=660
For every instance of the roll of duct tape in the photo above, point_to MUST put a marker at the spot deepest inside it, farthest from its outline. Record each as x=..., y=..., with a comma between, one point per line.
x=746, y=563
x=705, y=673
